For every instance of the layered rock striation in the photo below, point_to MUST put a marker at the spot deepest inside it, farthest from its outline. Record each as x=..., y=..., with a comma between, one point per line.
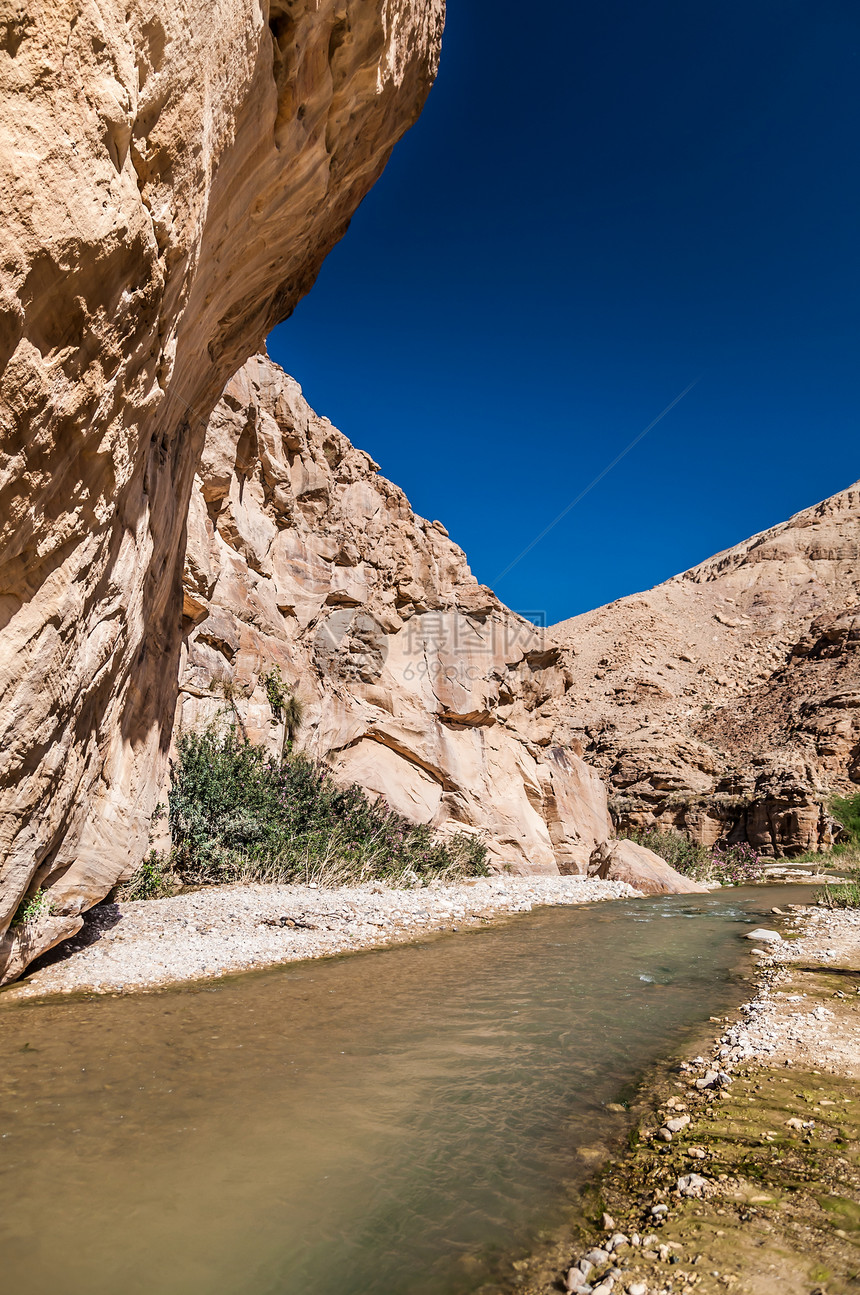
x=173, y=177
x=726, y=702
x=418, y=684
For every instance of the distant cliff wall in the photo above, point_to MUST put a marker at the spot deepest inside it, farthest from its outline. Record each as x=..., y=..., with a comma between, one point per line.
x=726, y=702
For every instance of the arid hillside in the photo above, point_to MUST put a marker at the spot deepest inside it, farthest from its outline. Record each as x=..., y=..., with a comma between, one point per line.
x=728, y=698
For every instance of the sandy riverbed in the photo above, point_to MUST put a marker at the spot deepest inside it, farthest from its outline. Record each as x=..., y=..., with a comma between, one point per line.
x=221, y=930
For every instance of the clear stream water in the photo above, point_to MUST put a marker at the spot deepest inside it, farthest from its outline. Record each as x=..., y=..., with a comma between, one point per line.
x=376, y=1124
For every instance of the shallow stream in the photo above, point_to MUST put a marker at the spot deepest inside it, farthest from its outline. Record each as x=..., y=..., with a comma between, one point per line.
x=378, y=1124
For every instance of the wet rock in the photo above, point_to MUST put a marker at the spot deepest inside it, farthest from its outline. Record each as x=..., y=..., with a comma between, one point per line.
x=692, y=1185
x=679, y=1123
x=764, y=936
x=713, y=1079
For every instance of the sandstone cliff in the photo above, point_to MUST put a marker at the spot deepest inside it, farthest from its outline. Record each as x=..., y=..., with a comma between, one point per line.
x=418, y=684
x=173, y=177
x=727, y=701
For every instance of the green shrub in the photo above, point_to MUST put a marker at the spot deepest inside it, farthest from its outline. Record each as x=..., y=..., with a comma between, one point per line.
x=684, y=856
x=238, y=814
x=845, y=856
x=154, y=879
x=733, y=865
x=846, y=810
x=844, y=895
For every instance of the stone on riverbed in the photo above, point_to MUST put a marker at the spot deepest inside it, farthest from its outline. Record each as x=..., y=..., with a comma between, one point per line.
x=692, y=1185
x=765, y=936
x=676, y=1125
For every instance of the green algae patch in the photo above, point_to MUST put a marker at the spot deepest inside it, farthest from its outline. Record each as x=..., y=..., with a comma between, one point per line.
x=847, y=1212
x=779, y=1213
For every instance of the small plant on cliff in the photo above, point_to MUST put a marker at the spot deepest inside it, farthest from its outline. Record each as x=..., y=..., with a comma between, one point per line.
x=276, y=692
x=284, y=705
x=34, y=906
x=237, y=814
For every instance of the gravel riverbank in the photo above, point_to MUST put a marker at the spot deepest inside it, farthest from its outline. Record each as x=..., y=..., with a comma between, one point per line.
x=220, y=930
x=744, y=1168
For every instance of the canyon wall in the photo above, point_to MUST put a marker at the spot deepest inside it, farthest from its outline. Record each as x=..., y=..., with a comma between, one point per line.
x=726, y=702
x=418, y=683
x=173, y=175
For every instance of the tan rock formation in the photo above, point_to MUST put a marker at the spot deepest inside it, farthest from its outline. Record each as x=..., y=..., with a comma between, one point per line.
x=418, y=684
x=726, y=702
x=642, y=868
x=173, y=177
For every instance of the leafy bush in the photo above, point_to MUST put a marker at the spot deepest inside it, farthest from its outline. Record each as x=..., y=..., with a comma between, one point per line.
x=237, y=814
x=731, y=865
x=846, y=810
x=682, y=855
x=735, y=865
x=844, y=895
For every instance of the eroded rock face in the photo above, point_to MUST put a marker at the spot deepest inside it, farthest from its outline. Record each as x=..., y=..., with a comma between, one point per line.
x=173, y=177
x=726, y=702
x=418, y=684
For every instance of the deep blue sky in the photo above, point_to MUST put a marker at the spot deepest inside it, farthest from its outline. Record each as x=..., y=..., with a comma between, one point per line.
x=601, y=202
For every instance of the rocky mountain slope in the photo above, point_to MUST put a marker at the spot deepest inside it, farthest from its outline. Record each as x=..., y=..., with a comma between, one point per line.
x=173, y=177
x=727, y=700
x=418, y=683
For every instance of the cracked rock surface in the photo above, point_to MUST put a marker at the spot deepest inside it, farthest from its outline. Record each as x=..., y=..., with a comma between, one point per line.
x=174, y=175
